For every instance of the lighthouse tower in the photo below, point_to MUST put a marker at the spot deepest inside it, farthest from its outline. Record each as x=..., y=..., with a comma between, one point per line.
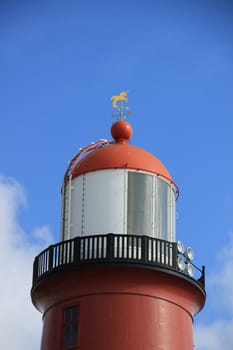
x=118, y=279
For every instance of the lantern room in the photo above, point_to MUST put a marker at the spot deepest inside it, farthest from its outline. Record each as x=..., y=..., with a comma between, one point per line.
x=114, y=187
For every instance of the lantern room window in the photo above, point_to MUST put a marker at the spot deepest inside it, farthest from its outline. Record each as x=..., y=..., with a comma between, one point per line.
x=70, y=335
x=150, y=206
x=140, y=200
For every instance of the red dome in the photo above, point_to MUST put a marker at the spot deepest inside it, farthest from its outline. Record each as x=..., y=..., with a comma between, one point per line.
x=120, y=156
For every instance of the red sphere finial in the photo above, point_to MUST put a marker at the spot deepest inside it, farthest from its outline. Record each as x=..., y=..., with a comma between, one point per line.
x=121, y=131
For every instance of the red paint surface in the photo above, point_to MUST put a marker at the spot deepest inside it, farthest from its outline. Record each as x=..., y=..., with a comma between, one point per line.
x=121, y=156
x=121, y=131
x=120, y=309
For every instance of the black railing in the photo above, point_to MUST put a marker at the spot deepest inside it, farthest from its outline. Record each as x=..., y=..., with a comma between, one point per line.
x=109, y=248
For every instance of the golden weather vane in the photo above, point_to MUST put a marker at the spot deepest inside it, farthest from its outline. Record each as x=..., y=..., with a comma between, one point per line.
x=118, y=102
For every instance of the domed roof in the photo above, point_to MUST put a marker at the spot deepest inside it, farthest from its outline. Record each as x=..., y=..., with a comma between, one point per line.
x=121, y=155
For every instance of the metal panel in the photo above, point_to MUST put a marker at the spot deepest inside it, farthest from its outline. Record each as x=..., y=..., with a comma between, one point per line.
x=164, y=217
x=139, y=213
x=150, y=206
x=97, y=203
x=76, y=206
x=104, y=202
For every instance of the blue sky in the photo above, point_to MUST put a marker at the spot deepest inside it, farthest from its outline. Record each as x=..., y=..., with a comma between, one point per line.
x=60, y=62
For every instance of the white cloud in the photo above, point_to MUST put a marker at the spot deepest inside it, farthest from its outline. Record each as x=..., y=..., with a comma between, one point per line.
x=43, y=234
x=215, y=336
x=218, y=333
x=222, y=279
x=20, y=322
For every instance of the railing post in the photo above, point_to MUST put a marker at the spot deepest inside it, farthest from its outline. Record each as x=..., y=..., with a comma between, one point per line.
x=50, y=264
x=145, y=248
x=35, y=270
x=110, y=246
x=77, y=250
x=174, y=255
x=202, y=278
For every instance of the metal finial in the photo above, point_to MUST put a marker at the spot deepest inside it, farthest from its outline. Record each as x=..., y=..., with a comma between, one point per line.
x=118, y=102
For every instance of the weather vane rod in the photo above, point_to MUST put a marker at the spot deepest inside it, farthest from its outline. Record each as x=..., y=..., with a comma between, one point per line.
x=119, y=103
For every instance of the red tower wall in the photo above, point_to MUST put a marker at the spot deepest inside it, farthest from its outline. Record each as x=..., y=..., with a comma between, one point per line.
x=120, y=308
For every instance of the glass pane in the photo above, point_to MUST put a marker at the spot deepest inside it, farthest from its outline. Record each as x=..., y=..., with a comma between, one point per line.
x=74, y=334
x=164, y=211
x=66, y=342
x=67, y=336
x=67, y=331
x=75, y=314
x=68, y=315
x=139, y=204
x=171, y=235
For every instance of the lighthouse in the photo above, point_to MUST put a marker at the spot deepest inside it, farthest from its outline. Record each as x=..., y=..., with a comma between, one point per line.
x=118, y=279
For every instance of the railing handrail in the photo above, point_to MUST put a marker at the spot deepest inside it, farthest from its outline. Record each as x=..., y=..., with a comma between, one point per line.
x=108, y=248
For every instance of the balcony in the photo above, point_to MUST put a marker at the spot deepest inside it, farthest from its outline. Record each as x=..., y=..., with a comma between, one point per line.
x=110, y=249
